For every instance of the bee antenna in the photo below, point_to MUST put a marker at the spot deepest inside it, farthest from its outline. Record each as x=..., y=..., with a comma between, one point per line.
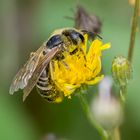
x=91, y=34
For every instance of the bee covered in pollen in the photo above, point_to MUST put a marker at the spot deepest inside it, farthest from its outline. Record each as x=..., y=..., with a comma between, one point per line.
x=38, y=70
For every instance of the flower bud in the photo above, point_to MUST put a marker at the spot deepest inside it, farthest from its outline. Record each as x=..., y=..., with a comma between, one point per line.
x=121, y=70
x=106, y=110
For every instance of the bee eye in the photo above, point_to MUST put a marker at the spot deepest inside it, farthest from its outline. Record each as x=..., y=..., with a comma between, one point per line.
x=74, y=36
x=54, y=41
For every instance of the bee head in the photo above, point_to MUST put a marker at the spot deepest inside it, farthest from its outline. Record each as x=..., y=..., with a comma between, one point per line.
x=66, y=37
x=74, y=36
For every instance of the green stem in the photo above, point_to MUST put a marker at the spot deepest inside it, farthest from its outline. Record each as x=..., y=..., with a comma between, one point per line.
x=123, y=92
x=86, y=109
x=114, y=134
x=133, y=30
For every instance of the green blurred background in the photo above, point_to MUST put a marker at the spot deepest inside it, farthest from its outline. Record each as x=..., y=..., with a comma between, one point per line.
x=24, y=26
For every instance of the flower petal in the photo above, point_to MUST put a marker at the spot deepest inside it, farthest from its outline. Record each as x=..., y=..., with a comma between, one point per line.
x=95, y=80
x=69, y=89
x=105, y=46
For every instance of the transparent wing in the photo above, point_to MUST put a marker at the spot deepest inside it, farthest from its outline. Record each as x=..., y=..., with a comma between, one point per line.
x=38, y=71
x=22, y=77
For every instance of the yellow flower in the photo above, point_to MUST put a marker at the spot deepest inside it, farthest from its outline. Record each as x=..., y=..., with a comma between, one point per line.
x=81, y=68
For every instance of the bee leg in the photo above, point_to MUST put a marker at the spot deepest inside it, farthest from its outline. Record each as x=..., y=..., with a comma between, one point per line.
x=65, y=64
x=51, y=70
x=81, y=49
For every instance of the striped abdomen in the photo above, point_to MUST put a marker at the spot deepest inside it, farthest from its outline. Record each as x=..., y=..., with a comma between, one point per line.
x=47, y=89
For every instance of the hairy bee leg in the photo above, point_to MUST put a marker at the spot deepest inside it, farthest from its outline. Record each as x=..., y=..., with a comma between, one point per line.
x=51, y=70
x=81, y=49
x=65, y=65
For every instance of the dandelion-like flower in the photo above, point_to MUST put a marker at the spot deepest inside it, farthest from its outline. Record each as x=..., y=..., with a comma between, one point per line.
x=81, y=68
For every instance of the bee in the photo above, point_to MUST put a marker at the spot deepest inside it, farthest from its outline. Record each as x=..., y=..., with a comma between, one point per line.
x=37, y=70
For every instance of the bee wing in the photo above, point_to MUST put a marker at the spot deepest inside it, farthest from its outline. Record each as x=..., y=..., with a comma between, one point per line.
x=38, y=71
x=22, y=77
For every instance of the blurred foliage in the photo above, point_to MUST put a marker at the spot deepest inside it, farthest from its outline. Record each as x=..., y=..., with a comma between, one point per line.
x=25, y=25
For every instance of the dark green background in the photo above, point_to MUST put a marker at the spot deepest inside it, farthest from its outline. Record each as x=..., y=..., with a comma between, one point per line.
x=24, y=26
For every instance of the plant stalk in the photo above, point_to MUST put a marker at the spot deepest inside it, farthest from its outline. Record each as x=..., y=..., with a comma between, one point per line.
x=86, y=109
x=133, y=30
